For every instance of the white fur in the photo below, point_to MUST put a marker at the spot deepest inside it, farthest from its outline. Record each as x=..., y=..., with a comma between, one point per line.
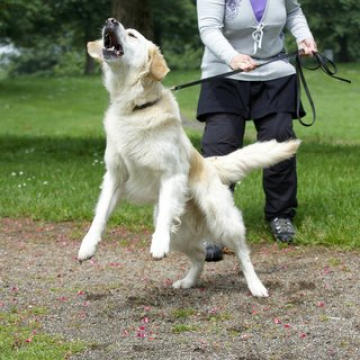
x=149, y=159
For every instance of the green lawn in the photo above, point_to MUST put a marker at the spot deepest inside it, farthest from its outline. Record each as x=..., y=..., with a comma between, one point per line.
x=21, y=338
x=52, y=143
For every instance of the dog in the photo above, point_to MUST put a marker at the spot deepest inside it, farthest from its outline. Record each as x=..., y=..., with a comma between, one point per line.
x=149, y=159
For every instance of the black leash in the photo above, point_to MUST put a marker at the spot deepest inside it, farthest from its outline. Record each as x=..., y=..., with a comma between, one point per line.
x=327, y=66
x=323, y=63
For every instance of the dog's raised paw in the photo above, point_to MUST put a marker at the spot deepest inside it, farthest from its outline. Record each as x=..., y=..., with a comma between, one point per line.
x=86, y=251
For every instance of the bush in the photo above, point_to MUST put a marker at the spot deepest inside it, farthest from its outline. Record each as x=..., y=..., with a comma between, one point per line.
x=50, y=56
x=70, y=63
x=188, y=59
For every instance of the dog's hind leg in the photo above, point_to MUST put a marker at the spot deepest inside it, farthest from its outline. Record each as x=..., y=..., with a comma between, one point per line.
x=233, y=236
x=197, y=260
x=107, y=202
x=254, y=284
x=226, y=224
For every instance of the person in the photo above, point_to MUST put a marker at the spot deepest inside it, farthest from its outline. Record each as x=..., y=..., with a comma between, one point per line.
x=241, y=34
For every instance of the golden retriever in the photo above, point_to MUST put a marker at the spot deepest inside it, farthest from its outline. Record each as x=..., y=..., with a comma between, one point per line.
x=149, y=159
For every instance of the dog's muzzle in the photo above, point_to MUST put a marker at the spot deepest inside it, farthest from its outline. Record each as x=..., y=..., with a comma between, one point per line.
x=112, y=46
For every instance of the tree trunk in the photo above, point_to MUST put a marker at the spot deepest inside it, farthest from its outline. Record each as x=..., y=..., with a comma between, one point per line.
x=134, y=14
x=89, y=61
x=344, y=55
x=89, y=65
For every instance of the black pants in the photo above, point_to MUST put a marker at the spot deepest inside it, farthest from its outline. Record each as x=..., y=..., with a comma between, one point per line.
x=224, y=134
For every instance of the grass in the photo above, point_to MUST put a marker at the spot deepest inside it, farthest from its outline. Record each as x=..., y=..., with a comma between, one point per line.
x=21, y=338
x=52, y=143
x=181, y=328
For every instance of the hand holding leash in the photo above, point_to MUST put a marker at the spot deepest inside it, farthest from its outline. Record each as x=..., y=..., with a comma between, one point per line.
x=307, y=47
x=243, y=62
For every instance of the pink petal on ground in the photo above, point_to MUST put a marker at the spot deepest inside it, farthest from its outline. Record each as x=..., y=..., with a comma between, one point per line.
x=115, y=264
x=245, y=337
x=254, y=311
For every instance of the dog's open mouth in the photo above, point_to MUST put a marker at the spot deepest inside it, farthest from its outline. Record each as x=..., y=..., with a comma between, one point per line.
x=112, y=46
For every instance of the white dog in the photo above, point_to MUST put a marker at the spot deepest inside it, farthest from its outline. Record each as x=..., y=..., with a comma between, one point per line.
x=149, y=159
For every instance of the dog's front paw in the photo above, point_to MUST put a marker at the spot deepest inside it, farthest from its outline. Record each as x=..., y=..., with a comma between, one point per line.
x=258, y=290
x=183, y=284
x=87, y=249
x=160, y=246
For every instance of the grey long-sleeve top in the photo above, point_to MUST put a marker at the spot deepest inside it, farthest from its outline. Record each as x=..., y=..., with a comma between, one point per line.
x=229, y=27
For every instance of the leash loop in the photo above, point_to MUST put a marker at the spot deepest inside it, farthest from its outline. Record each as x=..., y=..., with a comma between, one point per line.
x=327, y=66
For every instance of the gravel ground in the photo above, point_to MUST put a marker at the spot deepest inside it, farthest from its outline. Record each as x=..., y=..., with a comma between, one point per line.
x=122, y=306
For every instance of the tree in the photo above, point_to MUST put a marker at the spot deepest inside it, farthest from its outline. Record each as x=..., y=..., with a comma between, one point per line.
x=21, y=19
x=335, y=25
x=136, y=14
x=86, y=19
x=53, y=35
x=52, y=28
x=175, y=21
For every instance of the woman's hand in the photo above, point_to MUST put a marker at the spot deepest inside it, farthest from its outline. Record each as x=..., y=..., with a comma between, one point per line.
x=243, y=62
x=308, y=46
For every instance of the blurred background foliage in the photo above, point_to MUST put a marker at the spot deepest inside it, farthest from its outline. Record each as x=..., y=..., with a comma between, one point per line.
x=49, y=37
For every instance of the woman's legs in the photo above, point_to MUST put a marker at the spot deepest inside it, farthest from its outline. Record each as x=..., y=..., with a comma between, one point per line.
x=223, y=134
x=279, y=181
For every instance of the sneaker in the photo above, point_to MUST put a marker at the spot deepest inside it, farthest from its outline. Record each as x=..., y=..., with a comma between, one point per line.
x=282, y=229
x=213, y=253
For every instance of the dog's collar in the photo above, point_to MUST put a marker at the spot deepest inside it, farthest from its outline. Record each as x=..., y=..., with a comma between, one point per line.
x=146, y=105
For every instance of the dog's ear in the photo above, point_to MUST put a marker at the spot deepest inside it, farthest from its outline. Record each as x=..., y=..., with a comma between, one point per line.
x=158, y=67
x=94, y=49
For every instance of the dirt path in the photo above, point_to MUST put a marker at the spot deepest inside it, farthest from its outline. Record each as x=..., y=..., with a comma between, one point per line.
x=122, y=304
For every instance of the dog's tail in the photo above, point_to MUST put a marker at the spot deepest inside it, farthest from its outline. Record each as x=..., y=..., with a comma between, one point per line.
x=234, y=167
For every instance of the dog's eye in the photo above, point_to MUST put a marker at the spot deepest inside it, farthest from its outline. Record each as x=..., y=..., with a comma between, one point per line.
x=132, y=35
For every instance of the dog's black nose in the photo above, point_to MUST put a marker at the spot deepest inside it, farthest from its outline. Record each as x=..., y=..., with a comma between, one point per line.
x=111, y=22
